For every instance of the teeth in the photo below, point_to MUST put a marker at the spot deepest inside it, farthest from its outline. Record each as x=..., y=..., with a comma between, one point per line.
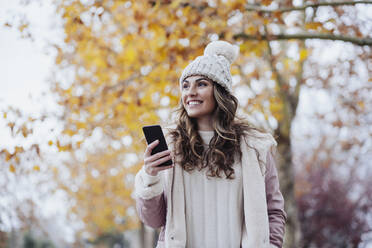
x=194, y=103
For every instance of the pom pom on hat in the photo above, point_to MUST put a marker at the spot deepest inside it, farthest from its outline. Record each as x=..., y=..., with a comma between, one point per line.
x=214, y=64
x=222, y=48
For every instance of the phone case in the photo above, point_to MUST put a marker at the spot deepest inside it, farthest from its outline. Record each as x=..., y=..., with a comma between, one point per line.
x=152, y=133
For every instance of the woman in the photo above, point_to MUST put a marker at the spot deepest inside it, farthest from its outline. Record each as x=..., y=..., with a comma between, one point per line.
x=223, y=189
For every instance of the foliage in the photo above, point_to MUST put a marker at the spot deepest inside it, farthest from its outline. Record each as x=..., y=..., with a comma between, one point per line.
x=114, y=240
x=334, y=212
x=31, y=242
x=119, y=66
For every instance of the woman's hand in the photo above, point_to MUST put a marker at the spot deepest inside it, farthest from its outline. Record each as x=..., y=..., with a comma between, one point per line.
x=152, y=161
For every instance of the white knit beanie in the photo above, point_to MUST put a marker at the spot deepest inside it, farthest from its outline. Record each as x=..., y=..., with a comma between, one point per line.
x=214, y=64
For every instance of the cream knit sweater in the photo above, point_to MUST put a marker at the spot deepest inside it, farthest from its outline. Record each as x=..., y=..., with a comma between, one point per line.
x=214, y=207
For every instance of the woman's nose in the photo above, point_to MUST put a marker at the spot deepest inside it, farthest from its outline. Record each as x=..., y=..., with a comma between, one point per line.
x=192, y=90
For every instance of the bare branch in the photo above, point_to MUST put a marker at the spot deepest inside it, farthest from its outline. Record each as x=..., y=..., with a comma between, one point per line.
x=313, y=5
x=306, y=36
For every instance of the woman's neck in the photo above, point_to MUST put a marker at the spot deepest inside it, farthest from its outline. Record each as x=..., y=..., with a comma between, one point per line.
x=205, y=124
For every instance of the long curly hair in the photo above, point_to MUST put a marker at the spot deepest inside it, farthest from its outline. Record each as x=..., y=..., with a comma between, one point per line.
x=220, y=155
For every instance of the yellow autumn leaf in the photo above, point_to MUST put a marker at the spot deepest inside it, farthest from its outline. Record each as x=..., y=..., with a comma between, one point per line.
x=18, y=149
x=119, y=107
x=61, y=148
x=50, y=143
x=25, y=131
x=8, y=155
x=78, y=144
x=99, y=62
x=22, y=27
x=69, y=132
x=313, y=25
x=130, y=54
x=276, y=108
x=303, y=54
x=250, y=30
x=287, y=63
x=175, y=4
x=81, y=125
x=36, y=168
x=266, y=2
x=361, y=105
x=74, y=100
x=11, y=168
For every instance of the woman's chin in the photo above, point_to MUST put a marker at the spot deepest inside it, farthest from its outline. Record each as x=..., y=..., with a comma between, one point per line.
x=193, y=114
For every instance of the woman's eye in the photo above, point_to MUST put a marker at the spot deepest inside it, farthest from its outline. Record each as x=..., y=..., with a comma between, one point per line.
x=185, y=86
x=202, y=84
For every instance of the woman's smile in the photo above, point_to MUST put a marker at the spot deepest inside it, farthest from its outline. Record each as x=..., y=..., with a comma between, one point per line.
x=194, y=103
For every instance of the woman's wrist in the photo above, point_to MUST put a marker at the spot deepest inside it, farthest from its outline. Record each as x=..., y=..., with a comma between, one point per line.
x=152, y=174
x=150, y=179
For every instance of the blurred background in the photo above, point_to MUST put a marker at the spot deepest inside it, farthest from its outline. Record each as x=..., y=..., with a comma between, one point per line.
x=80, y=78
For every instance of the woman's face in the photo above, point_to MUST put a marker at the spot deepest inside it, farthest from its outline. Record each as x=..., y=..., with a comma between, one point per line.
x=197, y=96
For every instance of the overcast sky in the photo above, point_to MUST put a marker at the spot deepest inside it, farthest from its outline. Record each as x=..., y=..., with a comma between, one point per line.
x=26, y=64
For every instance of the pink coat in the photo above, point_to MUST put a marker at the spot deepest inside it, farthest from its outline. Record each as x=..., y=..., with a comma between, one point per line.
x=152, y=211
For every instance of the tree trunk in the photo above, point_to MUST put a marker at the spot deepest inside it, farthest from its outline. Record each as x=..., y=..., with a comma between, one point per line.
x=287, y=187
x=285, y=167
x=142, y=235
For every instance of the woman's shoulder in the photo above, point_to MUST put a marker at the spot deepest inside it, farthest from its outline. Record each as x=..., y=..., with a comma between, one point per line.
x=167, y=131
x=259, y=138
x=169, y=127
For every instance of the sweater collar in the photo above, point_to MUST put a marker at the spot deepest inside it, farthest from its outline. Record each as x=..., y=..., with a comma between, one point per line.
x=206, y=136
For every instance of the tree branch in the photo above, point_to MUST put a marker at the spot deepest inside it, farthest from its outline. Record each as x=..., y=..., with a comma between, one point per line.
x=288, y=113
x=313, y=5
x=306, y=36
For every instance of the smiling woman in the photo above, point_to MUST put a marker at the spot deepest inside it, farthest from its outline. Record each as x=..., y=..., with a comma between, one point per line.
x=223, y=189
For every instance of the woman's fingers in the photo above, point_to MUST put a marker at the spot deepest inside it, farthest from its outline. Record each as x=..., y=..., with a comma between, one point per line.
x=161, y=160
x=157, y=156
x=150, y=147
x=153, y=168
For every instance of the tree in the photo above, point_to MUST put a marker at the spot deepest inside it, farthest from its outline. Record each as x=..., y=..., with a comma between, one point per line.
x=333, y=208
x=18, y=170
x=125, y=59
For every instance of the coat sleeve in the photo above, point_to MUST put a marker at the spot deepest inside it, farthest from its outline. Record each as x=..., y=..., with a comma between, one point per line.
x=150, y=200
x=275, y=202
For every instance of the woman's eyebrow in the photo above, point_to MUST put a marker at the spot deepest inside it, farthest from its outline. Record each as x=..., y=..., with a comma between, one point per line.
x=201, y=79
x=197, y=80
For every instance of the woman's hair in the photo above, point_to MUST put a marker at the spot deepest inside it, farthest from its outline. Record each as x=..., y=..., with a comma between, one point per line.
x=220, y=156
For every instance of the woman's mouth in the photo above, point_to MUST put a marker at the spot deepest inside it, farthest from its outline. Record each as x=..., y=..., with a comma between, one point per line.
x=194, y=103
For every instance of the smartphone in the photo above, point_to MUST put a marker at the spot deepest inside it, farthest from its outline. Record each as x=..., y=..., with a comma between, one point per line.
x=152, y=133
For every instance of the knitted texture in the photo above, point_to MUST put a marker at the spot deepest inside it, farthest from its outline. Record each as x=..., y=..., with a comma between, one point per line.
x=214, y=64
